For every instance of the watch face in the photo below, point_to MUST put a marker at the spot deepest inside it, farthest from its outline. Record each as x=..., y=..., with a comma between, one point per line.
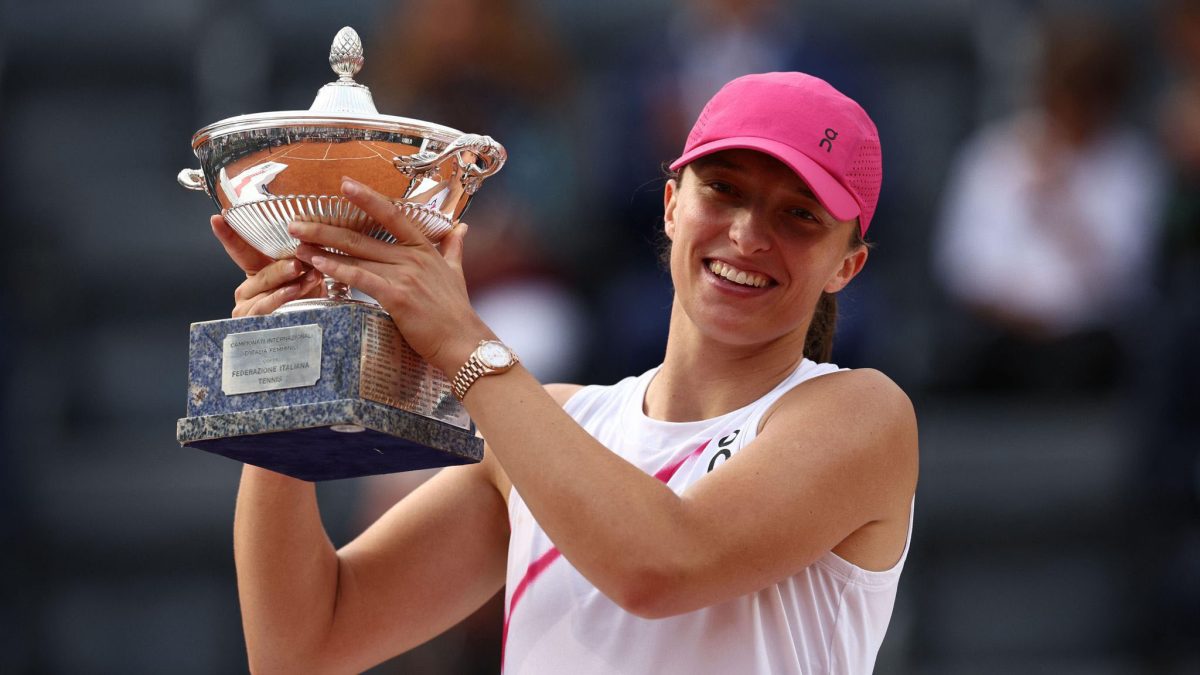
x=495, y=354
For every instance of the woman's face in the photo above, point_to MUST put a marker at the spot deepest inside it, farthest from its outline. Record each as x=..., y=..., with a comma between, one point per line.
x=752, y=249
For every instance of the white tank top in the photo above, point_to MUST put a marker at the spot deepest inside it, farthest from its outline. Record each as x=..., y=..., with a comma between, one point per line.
x=829, y=618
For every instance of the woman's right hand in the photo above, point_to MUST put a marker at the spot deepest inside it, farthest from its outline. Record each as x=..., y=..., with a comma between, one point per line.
x=269, y=283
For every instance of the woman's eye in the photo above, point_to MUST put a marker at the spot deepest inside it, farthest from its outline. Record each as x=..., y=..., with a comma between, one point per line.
x=718, y=186
x=805, y=214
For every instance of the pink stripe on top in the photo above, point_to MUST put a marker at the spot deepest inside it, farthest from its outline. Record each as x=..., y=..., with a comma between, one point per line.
x=538, y=566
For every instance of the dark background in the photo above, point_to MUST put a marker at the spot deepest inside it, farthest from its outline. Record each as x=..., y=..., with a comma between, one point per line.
x=1038, y=546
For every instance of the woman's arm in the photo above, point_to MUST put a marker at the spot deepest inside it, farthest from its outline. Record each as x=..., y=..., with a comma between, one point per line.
x=426, y=564
x=837, y=456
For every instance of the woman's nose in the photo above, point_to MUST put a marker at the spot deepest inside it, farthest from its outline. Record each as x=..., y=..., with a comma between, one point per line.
x=748, y=233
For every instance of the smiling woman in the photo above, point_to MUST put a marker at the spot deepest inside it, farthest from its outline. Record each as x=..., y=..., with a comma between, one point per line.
x=740, y=508
x=776, y=219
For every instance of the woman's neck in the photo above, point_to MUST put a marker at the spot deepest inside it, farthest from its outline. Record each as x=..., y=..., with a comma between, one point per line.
x=701, y=378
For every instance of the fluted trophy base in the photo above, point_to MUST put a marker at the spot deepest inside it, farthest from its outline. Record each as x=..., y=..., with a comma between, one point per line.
x=321, y=393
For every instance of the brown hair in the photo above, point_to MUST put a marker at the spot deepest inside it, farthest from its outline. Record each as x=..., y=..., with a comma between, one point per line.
x=818, y=341
x=1085, y=71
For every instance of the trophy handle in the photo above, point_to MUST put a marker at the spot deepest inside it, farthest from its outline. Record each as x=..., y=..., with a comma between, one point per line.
x=478, y=157
x=193, y=179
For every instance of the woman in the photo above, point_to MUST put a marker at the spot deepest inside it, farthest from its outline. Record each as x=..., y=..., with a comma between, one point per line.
x=738, y=509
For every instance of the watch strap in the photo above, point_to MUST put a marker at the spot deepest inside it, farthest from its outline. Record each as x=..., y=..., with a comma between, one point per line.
x=466, y=376
x=475, y=368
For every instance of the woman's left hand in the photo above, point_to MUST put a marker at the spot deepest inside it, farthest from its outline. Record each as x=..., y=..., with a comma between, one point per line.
x=421, y=288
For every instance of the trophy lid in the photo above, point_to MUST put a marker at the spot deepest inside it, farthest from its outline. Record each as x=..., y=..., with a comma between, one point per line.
x=342, y=102
x=344, y=95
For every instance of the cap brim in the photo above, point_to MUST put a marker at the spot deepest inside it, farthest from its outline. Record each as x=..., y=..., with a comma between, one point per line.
x=832, y=195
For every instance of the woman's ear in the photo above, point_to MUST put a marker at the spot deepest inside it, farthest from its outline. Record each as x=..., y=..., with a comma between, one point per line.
x=670, y=190
x=851, y=265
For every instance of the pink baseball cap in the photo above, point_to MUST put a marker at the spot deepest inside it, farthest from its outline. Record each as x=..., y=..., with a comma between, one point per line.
x=801, y=120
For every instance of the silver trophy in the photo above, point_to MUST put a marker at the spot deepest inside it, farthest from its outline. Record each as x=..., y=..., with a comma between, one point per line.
x=327, y=388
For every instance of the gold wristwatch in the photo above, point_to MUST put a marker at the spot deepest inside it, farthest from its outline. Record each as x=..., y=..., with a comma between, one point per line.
x=491, y=357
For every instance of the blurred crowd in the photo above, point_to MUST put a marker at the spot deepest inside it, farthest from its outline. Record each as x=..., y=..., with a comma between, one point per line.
x=1043, y=245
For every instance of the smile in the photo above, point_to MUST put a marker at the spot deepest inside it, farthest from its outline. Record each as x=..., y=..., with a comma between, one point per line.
x=740, y=277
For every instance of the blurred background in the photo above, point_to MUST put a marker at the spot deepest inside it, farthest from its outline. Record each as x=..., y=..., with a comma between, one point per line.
x=1035, y=287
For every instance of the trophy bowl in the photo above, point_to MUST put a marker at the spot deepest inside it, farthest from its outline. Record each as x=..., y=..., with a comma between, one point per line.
x=328, y=388
x=265, y=170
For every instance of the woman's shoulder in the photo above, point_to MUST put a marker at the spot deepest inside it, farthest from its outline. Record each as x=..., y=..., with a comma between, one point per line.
x=562, y=392
x=859, y=399
x=868, y=383
x=859, y=427
x=859, y=391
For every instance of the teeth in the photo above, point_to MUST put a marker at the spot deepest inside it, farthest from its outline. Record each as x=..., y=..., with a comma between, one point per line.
x=737, y=276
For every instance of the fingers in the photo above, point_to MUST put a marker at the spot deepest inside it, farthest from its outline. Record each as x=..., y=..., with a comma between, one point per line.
x=360, y=274
x=452, y=245
x=352, y=242
x=269, y=278
x=243, y=254
x=269, y=301
x=385, y=212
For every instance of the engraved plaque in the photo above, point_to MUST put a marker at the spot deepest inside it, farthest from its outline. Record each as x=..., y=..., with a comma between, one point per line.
x=277, y=358
x=393, y=374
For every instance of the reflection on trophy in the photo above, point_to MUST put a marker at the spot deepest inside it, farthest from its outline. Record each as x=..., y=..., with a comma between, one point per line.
x=327, y=388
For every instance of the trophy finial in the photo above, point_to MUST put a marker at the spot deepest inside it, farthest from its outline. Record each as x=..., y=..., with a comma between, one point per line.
x=344, y=95
x=346, y=54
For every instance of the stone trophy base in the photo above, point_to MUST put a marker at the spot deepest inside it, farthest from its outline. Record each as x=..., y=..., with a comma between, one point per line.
x=320, y=394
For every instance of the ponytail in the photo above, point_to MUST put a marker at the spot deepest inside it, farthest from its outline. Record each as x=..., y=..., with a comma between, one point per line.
x=818, y=343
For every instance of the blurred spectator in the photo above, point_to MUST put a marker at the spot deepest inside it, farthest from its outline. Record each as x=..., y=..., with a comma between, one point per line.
x=1049, y=222
x=1171, y=397
x=714, y=41
x=498, y=69
x=1176, y=328
x=708, y=43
